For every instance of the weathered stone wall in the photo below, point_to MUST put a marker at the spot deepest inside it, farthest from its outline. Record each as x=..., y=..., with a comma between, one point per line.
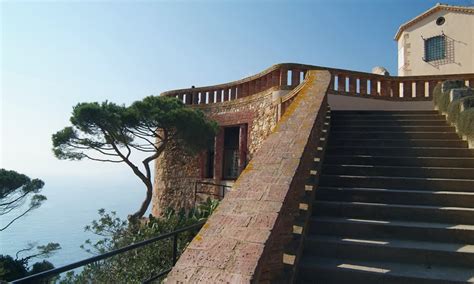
x=258, y=111
x=244, y=239
x=176, y=172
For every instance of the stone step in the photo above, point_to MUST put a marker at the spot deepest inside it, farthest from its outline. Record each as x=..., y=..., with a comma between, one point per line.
x=400, y=151
x=394, y=122
x=387, y=128
x=396, y=171
x=380, y=250
x=339, y=271
x=383, y=134
x=370, y=143
x=456, y=162
x=402, y=230
x=383, y=112
x=398, y=196
x=400, y=212
x=386, y=117
x=397, y=182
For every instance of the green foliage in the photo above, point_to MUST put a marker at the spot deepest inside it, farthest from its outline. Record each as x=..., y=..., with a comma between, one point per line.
x=136, y=265
x=41, y=266
x=464, y=120
x=465, y=123
x=11, y=269
x=108, y=132
x=454, y=108
x=15, y=190
x=104, y=126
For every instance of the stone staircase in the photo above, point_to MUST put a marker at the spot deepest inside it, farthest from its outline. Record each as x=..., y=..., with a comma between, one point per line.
x=395, y=202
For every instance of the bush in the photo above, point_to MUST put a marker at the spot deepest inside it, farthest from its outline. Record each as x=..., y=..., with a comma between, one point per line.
x=11, y=269
x=139, y=264
x=453, y=111
x=440, y=98
x=454, y=108
x=465, y=123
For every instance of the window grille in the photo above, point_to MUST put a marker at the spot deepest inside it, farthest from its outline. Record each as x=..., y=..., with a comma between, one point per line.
x=435, y=48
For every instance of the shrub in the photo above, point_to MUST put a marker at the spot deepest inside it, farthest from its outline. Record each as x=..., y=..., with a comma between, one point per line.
x=440, y=98
x=465, y=123
x=139, y=264
x=11, y=269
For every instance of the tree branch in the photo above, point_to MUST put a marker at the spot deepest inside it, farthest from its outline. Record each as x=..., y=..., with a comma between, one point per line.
x=102, y=160
x=18, y=217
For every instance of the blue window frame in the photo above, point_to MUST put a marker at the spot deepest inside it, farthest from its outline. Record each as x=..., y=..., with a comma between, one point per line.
x=435, y=48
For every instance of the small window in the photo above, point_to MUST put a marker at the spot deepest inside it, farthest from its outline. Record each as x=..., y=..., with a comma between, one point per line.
x=231, y=153
x=435, y=48
x=209, y=170
x=440, y=21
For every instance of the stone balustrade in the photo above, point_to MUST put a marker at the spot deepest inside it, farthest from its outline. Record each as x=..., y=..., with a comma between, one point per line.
x=280, y=76
x=286, y=76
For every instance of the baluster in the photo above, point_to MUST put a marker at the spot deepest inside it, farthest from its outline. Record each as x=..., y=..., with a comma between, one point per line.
x=352, y=85
x=283, y=77
x=295, y=77
x=373, y=87
x=363, y=86
x=181, y=97
x=232, y=93
x=431, y=86
x=395, y=85
x=331, y=84
x=195, y=96
x=384, y=88
x=226, y=95
x=420, y=89
x=341, y=83
x=407, y=89
x=276, y=78
x=188, y=98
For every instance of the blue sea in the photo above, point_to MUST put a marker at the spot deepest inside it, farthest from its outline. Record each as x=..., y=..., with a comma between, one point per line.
x=72, y=204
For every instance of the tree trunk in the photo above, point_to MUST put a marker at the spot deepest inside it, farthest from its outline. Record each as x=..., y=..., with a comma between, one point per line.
x=137, y=215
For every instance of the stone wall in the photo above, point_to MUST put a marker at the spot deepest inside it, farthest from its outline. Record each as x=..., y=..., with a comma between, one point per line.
x=244, y=239
x=176, y=172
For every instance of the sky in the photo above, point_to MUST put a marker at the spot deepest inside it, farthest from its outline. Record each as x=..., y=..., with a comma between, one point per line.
x=55, y=54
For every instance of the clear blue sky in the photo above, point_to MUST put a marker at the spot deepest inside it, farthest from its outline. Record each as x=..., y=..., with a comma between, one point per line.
x=56, y=54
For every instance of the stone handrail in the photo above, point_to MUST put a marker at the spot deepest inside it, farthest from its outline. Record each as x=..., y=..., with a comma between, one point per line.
x=274, y=77
x=343, y=82
x=244, y=240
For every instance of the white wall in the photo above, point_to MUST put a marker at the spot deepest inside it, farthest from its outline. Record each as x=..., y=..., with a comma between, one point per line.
x=458, y=27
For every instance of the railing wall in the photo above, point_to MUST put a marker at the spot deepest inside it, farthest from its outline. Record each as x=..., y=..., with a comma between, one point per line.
x=343, y=82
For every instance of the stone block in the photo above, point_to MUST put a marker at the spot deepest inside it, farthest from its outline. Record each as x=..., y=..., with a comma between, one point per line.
x=458, y=93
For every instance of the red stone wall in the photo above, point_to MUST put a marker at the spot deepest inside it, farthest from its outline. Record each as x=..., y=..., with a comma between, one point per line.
x=176, y=172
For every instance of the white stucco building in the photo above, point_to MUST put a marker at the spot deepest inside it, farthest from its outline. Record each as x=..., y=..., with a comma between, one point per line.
x=439, y=41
